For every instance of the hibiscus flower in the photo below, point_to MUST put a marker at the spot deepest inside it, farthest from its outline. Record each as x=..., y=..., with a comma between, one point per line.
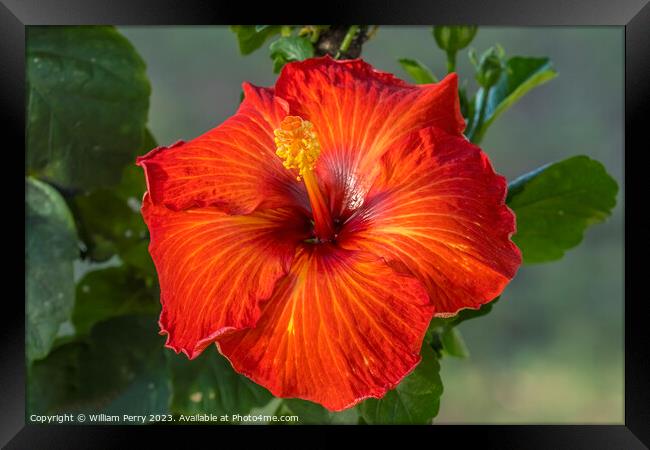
x=315, y=233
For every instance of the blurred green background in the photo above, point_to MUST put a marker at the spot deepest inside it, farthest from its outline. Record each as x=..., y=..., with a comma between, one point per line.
x=551, y=351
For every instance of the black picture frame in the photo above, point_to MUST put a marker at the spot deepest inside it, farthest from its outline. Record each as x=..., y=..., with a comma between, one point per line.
x=633, y=15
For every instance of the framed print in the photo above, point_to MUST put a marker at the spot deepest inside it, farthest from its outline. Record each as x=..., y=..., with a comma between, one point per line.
x=418, y=224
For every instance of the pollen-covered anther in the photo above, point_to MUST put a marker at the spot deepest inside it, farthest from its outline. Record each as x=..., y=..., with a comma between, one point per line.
x=298, y=147
x=297, y=144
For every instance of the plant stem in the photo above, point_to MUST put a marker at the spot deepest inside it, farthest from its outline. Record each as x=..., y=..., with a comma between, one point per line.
x=476, y=134
x=451, y=62
x=347, y=40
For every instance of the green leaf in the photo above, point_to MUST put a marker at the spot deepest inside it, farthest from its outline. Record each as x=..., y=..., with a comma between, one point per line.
x=278, y=63
x=138, y=259
x=252, y=37
x=556, y=203
x=112, y=292
x=119, y=369
x=416, y=400
x=108, y=223
x=467, y=314
x=521, y=75
x=50, y=249
x=438, y=323
x=418, y=71
x=453, y=343
x=208, y=384
x=87, y=104
x=310, y=413
x=149, y=142
x=109, y=220
x=443, y=335
x=290, y=48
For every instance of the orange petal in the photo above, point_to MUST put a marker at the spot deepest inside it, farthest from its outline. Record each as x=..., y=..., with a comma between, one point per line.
x=341, y=327
x=233, y=166
x=438, y=212
x=215, y=269
x=358, y=112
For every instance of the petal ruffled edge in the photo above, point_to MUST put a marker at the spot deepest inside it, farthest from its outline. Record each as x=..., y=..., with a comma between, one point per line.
x=340, y=328
x=438, y=212
x=232, y=167
x=216, y=269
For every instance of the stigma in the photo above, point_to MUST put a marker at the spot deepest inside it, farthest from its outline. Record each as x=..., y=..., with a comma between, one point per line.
x=297, y=145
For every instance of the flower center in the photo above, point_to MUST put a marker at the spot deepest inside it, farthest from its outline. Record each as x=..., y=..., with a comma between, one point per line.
x=298, y=147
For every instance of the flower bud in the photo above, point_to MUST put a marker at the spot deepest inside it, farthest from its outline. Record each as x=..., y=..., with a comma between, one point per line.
x=454, y=38
x=489, y=67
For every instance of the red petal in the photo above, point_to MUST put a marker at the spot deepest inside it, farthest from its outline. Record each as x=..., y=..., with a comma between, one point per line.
x=358, y=112
x=233, y=166
x=215, y=269
x=438, y=212
x=341, y=327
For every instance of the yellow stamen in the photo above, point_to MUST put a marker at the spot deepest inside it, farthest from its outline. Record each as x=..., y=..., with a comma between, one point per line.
x=297, y=144
x=298, y=147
